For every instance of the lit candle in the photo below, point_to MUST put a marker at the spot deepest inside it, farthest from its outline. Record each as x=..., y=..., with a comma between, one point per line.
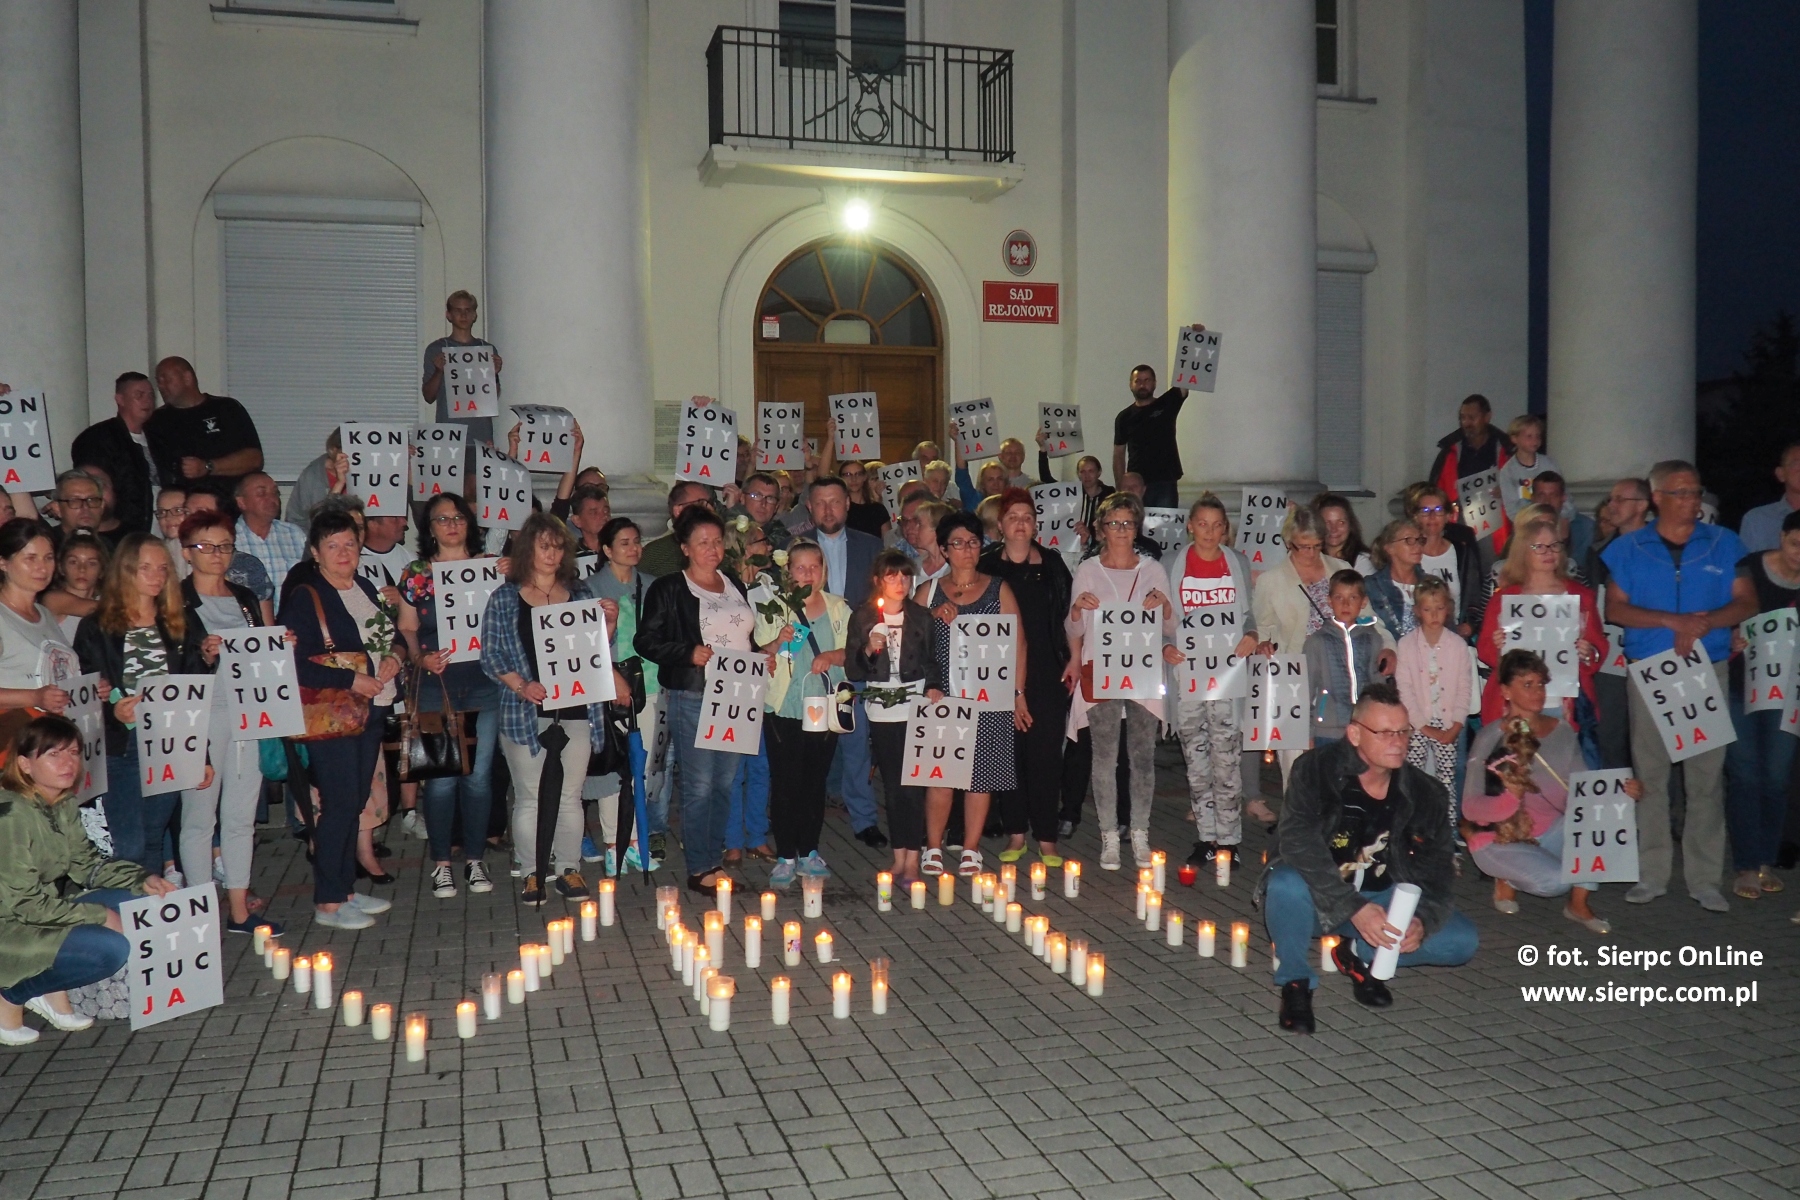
x=515, y=986
x=528, y=960
x=722, y=897
x=1040, y=936
x=553, y=932
x=259, y=938
x=840, y=995
x=752, y=941
x=780, y=993
x=1240, y=944
x=282, y=960
x=490, y=995
x=1153, y=911
x=1204, y=937
x=1009, y=881
x=1059, y=952
x=303, y=975
x=1039, y=877
x=269, y=953
x=321, y=980
x=1187, y=874
x=1222, y=868
x=665, y=896
x=1159, y=871
x=790, y=943
x=978, y=893
x=719, y=991
x=998, y=909
x=946, y=890
x=1096, y=974
x=1327, y=964
x=701, y=977
x=812, y=897
x=590, y=920
x=568, y=935
x=1071, y=878
x=675, y=935
x=884, y=891
x=465, y=1019
x=608, y=908
x=878, y=986
x=823, y=945
x=768, y=906
x=715, y=935
x=917, y=888
x=1146, y=875
x=1174, y=924
x=381, y=1022
x=353, y=1008
x=692, y=960
x=1015, y=913
x=1143, y=900
x=1078, y=949
x=415, y=1037
x=671, y=916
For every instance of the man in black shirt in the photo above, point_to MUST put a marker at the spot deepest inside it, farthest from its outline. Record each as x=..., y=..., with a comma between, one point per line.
x=119, y=446
x=195, y=436
x=1144, y=438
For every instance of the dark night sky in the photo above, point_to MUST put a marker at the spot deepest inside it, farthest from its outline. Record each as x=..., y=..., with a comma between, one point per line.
x=1749, y=218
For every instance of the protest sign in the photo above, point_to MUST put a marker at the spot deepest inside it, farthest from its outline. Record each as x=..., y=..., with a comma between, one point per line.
x=574, y=658
x=1124, y=644
x=1769, y=659
x=379, y=461
x=1210, y=667
x=1614, y=662
x=1548, y=626
x=855, y=425
x=1685, y=702
x=461, y=589
x=87, y=694
x=437, y=460
x=706, y=443
x=893, y=479
x=471, y=382
x=653, y=729
x=940, y=744
x=1058, y=508
x=174, y=715
x=1482, y=508
x=1167, y=527
x=25, y=463
x=1061, y=424
x=1275, y=717
x=984, y=655
x=502, y=490
x=1260, y=519
x=977, y=433
x=731, y=706
x=174, y=967
x=780, y=437
x=1197, y=359
x=1600, y=829
x=546, y=438
x=256, y=669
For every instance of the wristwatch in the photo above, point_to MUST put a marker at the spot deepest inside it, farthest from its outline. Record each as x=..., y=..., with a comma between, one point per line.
x=209, y=466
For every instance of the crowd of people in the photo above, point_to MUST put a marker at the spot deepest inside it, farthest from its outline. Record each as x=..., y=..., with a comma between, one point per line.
x=167, y=532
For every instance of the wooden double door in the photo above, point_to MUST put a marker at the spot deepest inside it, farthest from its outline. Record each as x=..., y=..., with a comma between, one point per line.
x=905, y=381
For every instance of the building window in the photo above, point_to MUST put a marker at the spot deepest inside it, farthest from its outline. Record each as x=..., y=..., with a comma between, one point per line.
x=872, y=32
x=846, y=294
x=1332, y=35
x=1338, y=394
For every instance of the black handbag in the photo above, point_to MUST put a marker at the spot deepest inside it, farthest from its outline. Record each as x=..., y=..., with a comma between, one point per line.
x=433, y=745
x=614, y=755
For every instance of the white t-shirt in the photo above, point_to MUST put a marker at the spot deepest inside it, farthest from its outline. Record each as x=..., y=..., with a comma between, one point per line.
x=725, y=617
x=1444, y=567
x=143, y=445
x=384, y=569
x=32, y=655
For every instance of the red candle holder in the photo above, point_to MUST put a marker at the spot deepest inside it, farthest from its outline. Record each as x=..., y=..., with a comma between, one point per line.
x=1187, y=874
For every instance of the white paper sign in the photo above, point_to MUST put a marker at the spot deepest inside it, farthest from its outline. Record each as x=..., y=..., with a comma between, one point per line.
x=1614, y=663
x=1058, y=508
x=984, y=656
x=174, y=715
x=256, y=669
x=1124, y=642
x=379, y=463
x=1482, y=508
x=1600, y=829
x=653, y=729
x=546, y=438
x=461, y=589
x=1061, y=424
x=1685, y=702
x=87, y=695
x=471, y=383
x=1167, y=527
x=1769, y=659
x=1259, y=528
x=977, y=433
x=1548, y=626
x=502, y=490
x=174, y=967
x=856, y=425
x=706, y=443
x=1197, y=359
x=940, y=744
x=1210, y=667
x=894, y=479
x=731, y=707
x=574, y=658
x=25, y=463
x=1275, y=717
x=780, y=437
x=437, y=460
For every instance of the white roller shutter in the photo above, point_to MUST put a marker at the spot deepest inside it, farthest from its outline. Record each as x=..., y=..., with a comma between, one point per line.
x=321, y=326
x=1338, y=401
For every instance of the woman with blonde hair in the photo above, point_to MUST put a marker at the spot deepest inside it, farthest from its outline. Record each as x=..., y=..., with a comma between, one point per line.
x=1398, y=549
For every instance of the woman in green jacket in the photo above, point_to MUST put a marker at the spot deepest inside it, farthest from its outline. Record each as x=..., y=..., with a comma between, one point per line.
x=49, y=944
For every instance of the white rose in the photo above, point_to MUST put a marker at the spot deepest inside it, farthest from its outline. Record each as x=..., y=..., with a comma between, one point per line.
x=780, y=558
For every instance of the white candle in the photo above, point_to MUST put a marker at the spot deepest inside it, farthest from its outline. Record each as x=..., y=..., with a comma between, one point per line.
x=675, y=936
x=823, y=944
x=528, y=962
x=884, y=891
x=878, y=986
x=715, y=935
x=568, y=934
x=353, y=1008
x=752, y=941
x=917, y=888
x=1039, y=877
x=1059, y=953
x=1147, y=877
x=1096, y=974
x=1153, y=911
x=1159, y=868
x=722, y=897
x=490, y=995
x=381, y=1022
x=1009, y=882
x=697, y=980
x=790, y=943
x=554, y=933
x=719, y=991
x=1401, y=906
x=998, y=909
x=1015, y=913
x=1327, y=964
x=1204, y=937
x=672, y=916
x=415, y=1037
x=1078, y=949
x=665, y=896
x=321, y=980
x=768, y=906
x=1240, y=944
x=608, y=904
x=303, y=975
x=978, y=892
x=1040, y=936
x=1071, y=878
x=812, y=897
x=1143, y=901
x=946, y=890
x=1174, y=925
x=590, y=920
x=840, y=995
x=515, y=986
x=693, y=957
x=259, y=938
x=702, y=977
x=268, y=953
x=465, y=1019
x=1222, y=868
x=282, y=960
x=547, y=963
x=780, y=995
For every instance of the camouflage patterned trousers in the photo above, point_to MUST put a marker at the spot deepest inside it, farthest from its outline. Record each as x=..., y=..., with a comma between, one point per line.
x=1211, y=742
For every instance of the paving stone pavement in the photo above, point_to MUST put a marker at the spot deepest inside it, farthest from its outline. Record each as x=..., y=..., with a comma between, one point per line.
x=989, y=1076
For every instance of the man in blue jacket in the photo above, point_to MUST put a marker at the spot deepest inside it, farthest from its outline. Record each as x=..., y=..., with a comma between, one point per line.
x=1674, y=584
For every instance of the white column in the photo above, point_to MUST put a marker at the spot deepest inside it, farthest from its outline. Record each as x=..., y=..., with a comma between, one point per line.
x=566, y=230
x=1243, y=254
x=43, y=339
x=1623, y=153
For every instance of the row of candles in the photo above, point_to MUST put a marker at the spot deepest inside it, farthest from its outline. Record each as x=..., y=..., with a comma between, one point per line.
x=1150, y=912
x=1071, y=956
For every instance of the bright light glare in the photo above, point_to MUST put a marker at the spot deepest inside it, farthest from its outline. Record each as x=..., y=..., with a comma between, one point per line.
x=856, y=215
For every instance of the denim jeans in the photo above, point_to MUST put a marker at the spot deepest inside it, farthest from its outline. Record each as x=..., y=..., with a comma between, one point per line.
x=138, y=824
x=1293, y=924
x=706, y=777
x=1535, y=868
x=89, y=954
x=474, y=792
x=1757, y=766
x=747, y=826
x=343, y=769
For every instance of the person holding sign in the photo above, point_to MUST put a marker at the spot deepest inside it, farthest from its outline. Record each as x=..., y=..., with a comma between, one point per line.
x=141, y=629
x=49, y=944
x=1673, y=585
x=1513, y=807
x=1123, y=577
x=1144, y=440
x=35, y=657
x=1474, y=449
x=1087, y=473
x=460, y=310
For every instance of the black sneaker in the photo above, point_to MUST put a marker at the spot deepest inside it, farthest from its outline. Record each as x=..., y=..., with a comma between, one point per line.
x=572, y=886
x=1203, y=854
x=1064, y=829
x=872, y=836
x=1369, y=991
x=533, y=892
x=1296, y=1007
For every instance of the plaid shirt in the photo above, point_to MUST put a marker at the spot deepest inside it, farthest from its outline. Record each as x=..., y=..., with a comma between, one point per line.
x=280, y=551
x=503, y=652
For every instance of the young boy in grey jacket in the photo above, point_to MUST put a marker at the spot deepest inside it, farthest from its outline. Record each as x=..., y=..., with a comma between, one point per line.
x=1341, y=657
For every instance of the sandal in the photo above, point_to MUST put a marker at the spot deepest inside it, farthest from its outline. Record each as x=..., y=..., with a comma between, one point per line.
x=931, y=862
x=734, y=857
x=765, y=852
x=1748, y=886
x=1768, y=880
x=970, y=864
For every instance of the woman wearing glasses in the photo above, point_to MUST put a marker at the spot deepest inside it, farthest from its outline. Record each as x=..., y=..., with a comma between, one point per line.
x=1450, y=554
x=1396, y=554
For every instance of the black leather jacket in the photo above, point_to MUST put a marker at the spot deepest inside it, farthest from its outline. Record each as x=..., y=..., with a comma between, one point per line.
x=103, y=653
x=668, y=631
x=918, y=655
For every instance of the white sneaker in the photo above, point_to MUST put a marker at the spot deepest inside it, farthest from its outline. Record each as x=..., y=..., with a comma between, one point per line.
x=1140, y=847
x=219, y=869
x=411, y=825
x=348, y=916
x=67, y=1022
x=1109, y=849
x=443, y=883
x=372, y=905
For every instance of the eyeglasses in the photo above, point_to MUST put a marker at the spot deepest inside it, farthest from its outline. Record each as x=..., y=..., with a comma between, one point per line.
x=1546, y=547
x=1405, y=731
x=165, y=513
x=449, y=519
x=1118, y=524
x=82, y=502
x=1410, y=541
x=1312, y=547
x=213, y=547
x=765, y=497
x=962, y=544
x=1430, y=509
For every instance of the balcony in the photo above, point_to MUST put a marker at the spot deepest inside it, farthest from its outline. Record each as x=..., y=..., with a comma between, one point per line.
x=789, y=109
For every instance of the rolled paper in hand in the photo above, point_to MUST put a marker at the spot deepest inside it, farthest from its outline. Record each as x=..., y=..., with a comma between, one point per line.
x=1401, y=907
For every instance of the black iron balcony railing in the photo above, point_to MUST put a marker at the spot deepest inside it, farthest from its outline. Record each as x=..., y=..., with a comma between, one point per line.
x=939, y=101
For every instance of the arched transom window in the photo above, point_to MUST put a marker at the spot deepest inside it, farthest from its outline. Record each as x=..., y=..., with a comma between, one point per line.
x=847, y=294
